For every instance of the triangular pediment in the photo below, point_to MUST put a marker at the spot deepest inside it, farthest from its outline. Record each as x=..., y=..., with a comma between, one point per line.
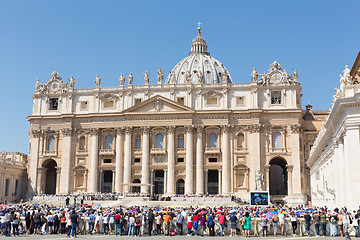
x=158, y=104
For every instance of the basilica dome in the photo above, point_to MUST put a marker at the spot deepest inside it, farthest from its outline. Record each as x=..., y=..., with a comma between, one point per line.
x=199, y=66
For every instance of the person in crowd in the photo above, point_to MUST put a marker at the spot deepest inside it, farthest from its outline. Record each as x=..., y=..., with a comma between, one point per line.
x=105, y=220
x=264, y=225
x=91, y=222
x=189, y=224
x=211, y=224
x=323, y=222
x=222, y=219
x=316, y=218
x=179, y=223
x=274, y=221
x=202, y=224
x=150, y=221
x=356, y=223
x=307, y=218
x=293, y=220
x=137, y=224
x=333, y=219
x=247, y=224
x=62, y=224
x=195, y=223
x=340, y=223
x=167, y=223
x=282, y=223
x=158, y=220
x=74, y=221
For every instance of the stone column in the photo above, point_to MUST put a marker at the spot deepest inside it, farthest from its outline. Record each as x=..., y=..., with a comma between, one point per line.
x=199, y=162
x=341, y=198
x=152, y=182
x=58, y=172
x=296, y=159
x=352, y=165
x=113, y=181
x=290, y=179
x=189, y=161
x=171, y=161
x=206, y=180
x=101, y=177
x=33, y=164
x=220, y=181
x=127, y=158
x=94, y=162
x=255, y=158
x=226, y=165
x=165, y=180
x=66, y=161
x=145, y=159
x=267, y=177
x=40, y=184
x=118, y=159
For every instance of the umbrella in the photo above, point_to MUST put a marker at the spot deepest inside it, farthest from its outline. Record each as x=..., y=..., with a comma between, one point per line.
x=218, y=212
x=97, y=205
x=233, y=210
x=310, y=210
x=269, y=215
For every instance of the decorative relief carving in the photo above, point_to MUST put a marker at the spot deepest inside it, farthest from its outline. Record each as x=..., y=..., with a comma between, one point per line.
x=128, y=130
x=255, y=128
x=170, y=129
x=296, y=128
x=225, y=129
x=189, y=128
x=93, y=131
x=158, y=104
x=146, y=130
x=119, y=130
x=35, y=133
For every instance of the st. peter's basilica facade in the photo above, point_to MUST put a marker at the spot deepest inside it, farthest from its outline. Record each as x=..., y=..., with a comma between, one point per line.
x=195, y=132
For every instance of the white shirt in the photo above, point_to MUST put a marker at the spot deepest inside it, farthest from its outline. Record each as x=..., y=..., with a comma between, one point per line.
x=281, y=218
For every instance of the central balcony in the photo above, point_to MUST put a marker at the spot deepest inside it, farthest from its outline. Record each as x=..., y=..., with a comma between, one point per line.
x=107, y=152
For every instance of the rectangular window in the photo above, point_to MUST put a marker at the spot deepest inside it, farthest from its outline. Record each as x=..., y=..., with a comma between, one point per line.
x=137, y=160
x=180, y=160
x=181, y=142
x=212, y=159
x=275, y=97
x=108, y=104
x=137, y=101
x=138, y=143
x=211, y=101
x=180, y=100
x=240, y=101
x=84, y=105
x=53, y=104
x=107, y=160
x=7, y=185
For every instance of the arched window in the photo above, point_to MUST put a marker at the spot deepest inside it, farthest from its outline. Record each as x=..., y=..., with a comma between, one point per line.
x=240, y=140
x=213, y=140
x=180, y=141
x=138, y=142
x=277, y=141
x=51, y=143
x=159, y=140
x=82, y=143
x=109, y=142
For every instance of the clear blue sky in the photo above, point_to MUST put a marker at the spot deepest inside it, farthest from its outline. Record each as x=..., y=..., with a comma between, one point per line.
x=85, y=38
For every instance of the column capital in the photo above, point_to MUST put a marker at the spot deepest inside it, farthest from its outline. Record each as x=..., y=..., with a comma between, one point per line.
x=255, y=128
x=170, y=129
x=66, y=132
x=165, y=170
x=225, y=128
x=189, y=128
x=128, y=130
x=219, y=170
x=93, y=131
x=206, y=170
x=119, y=130
x=35, y=133
x=267, y=167
x=295, y=128
x=146, y=130
x=289, y=168
x=199, y=129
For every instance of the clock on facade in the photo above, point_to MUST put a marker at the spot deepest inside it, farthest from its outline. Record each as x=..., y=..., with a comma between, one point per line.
x=275, y=78
x=54, y=86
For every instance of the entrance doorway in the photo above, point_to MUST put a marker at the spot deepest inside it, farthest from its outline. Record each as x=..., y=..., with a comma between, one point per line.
x=159, y=182
x=108, y=181
x=213, y=182
x=180, y=186
x=278, y=178
x=136, y=189
x=50, y=177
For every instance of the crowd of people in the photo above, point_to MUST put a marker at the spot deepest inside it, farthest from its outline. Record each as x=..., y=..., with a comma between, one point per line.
x=138, y=221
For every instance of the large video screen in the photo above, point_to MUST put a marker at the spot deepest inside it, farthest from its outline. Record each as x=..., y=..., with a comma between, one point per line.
x=259, y=198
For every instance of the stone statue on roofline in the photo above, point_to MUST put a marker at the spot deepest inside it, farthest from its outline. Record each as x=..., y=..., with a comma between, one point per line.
x=346, y=74
x=187, y=77
x=122, y=79
x=254, y=75
x=71, y=82
x=146, y=78
x=200, y=76
x=131, y=77
x=160, y=75
x=296, y=76
x=97, y=81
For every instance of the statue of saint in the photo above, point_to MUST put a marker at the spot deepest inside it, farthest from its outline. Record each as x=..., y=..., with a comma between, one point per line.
x=225, y=77
x=254, y=75
x=188, y=77
x=71, y=82
x=259, y=180
x=160, y=75
x=122, y=79
x=131, y=77
x=200, y=76
x=342, y=82
x=37, y=85
x=146, y=78
x=97, y=81
x=347, y=76
x=296, y=76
